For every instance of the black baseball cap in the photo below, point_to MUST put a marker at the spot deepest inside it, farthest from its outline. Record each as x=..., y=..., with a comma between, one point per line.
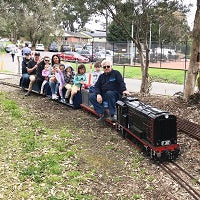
x=37, y=54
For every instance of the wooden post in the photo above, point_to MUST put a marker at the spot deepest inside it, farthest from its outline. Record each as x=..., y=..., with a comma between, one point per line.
x=2, y=62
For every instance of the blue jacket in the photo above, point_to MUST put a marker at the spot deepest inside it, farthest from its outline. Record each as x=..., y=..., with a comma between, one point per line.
x=79, y=78
x=112, y=81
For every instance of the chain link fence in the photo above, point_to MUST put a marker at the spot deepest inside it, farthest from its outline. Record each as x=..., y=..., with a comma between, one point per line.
x=161, y=55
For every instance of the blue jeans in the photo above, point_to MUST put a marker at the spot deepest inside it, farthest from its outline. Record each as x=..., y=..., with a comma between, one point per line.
x=25, y=79
x=54, y=87
x=110, y=98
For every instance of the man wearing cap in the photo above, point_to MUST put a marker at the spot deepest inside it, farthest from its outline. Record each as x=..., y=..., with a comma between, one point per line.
x=26, y=50
x=108, y=90
x=31, y=69
x=25, y=75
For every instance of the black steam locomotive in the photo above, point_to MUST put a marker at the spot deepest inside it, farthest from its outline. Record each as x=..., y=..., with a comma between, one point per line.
x=152, y=129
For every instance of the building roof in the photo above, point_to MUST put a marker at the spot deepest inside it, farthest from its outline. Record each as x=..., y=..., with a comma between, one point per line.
x=96, y=34
x=73, y=34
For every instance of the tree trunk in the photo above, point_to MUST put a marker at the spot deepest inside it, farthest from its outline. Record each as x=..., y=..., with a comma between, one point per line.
x=195, y=56
x=144, y=89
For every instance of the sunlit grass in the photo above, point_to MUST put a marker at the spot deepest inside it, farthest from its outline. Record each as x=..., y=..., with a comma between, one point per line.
x=156, y=74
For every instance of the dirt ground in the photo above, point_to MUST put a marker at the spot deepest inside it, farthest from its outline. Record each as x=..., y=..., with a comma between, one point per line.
x=121, y=171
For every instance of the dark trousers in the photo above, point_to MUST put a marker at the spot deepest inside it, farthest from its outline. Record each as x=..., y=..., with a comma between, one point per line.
x=25, y=80
x=109, y=100
x=13, y=57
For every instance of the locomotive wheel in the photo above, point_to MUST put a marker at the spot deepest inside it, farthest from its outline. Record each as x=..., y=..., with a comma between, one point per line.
x=121, y=131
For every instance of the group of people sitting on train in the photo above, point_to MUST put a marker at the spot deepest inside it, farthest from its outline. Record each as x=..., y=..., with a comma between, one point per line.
x=107, y=86
x=57, y=76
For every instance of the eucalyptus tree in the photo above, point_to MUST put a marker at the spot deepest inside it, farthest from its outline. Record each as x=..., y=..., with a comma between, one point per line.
x=39, y=20
x=33, y=20
x=142, y=13
x=71, y=13
x=11, y=16
x=194, y=66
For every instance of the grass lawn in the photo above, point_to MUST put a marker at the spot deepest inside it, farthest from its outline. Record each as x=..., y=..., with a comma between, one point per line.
x=160, y=75
x=60, y=162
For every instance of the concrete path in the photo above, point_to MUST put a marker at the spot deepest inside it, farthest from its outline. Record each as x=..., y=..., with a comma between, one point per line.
x=133, y=85
x=157, y=87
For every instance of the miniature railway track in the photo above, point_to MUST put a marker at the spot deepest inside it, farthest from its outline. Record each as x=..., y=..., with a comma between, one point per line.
x=189, y=128
x=182, y=177
x=9, y=84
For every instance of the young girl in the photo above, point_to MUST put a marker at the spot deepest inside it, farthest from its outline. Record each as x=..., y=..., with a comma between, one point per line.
x=79, y=80
x=53, y=82
x=69, y=80
x=45, y=74
x=60, y=79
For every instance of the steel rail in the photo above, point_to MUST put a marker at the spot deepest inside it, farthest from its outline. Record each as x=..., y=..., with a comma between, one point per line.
x=189, y=128
x=180, y=181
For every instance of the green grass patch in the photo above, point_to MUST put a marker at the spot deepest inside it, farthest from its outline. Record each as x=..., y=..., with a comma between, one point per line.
x=43, y=161
x=10, y=106
x=136, y=196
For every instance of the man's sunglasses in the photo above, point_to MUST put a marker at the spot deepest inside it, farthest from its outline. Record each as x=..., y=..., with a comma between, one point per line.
x=46, y=60
x=106, y=66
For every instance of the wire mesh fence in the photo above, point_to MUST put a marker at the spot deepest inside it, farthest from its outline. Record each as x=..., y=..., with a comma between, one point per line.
x=161, y=55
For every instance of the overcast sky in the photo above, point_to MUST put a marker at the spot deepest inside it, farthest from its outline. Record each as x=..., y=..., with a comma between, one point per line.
x=191, y=14
x=94, y=25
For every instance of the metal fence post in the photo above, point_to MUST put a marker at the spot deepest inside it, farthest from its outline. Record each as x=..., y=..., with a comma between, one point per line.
x=124, y=71
x=18, y=61
x=185, y=65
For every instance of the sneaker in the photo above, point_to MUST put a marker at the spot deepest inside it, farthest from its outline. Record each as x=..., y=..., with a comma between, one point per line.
x=112, y=118
x=54, y=96
x=28, y=93
x=23, y=89
x=70, y=102
x=67, y=100
x=62, y=100
x=102, y=118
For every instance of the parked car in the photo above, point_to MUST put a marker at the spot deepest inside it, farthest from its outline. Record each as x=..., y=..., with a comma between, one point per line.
x=105, y=55
x=4, y=40
x=73, y=57
x=53, y=47
x=88, y=47
x=39, y=47
x=9, y=47
x=65, y=47
x=87, y=54
x=78, y=47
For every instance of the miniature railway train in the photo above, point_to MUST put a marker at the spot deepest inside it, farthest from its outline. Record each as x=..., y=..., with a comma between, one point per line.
x=152, y=129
